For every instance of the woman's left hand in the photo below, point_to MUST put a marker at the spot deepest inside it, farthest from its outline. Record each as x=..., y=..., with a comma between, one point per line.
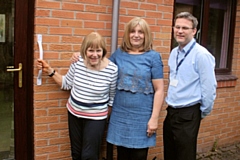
x=152, y=126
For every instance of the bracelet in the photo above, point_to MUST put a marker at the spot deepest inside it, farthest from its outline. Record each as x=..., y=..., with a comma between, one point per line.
x=50, y=75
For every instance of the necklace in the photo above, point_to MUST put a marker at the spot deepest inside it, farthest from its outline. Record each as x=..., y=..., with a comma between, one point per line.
x=94, y=81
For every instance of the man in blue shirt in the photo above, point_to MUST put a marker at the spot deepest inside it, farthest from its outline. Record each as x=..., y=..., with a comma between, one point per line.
x=191, y=91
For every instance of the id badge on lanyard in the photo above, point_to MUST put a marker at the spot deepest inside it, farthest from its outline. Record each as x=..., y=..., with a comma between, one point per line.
x=174, y=81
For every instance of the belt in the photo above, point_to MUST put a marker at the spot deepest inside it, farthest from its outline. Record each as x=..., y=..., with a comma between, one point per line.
x=192, y=107
x=88, y=104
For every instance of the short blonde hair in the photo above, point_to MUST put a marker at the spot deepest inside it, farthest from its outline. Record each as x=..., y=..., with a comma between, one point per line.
x=93, y=40
x=147, y=44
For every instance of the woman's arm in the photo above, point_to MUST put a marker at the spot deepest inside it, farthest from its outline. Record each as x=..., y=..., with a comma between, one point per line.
x=158, y=86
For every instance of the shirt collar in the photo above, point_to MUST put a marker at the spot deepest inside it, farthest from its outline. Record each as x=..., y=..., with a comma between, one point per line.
x=186, y=48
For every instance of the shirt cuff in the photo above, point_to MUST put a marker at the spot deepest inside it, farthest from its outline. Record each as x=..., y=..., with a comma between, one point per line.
x=203, y=115
x=63, y=82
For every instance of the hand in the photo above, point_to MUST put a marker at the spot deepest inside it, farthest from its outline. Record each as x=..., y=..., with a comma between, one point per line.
x=152, y=126
x=41, y=64
x=75, y=57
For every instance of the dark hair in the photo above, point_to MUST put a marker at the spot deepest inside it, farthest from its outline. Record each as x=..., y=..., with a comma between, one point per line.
x=188, y=16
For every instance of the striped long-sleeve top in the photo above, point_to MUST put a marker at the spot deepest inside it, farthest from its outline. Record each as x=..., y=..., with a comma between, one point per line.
x=91, y=91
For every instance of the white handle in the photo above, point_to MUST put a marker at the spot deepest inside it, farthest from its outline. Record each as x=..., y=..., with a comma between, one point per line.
x=39, y=78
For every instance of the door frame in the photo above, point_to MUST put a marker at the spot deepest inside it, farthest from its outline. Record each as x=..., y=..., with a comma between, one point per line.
x=23, y=97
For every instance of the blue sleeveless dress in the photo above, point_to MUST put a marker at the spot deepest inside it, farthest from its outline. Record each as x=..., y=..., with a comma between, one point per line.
x=133, y=102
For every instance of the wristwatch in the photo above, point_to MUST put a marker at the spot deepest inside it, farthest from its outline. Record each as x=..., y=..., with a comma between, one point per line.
x=50, y=75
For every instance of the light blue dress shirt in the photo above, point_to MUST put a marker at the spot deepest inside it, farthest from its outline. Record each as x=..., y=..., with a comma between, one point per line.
x=195, y=80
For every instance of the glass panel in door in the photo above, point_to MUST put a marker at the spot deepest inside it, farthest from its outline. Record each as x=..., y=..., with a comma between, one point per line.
x=6, y=80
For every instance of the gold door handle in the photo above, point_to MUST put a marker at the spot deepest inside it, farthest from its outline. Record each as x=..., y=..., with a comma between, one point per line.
x=12, y=69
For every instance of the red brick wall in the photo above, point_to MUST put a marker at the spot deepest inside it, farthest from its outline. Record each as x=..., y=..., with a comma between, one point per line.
x=64, y=23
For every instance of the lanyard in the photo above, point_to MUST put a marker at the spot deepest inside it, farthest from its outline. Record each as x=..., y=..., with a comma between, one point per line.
x=179, y=64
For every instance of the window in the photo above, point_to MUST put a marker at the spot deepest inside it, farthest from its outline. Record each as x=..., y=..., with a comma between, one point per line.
x=215, y=29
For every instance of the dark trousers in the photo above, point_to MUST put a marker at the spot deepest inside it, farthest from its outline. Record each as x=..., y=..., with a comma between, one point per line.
x=124, y=153
x=85, y=137
x=180, y=131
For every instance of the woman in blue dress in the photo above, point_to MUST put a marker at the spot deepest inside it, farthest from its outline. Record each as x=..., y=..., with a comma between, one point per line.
x=139, y=94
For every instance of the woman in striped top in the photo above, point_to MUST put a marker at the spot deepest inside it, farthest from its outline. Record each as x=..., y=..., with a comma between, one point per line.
x=92, y=81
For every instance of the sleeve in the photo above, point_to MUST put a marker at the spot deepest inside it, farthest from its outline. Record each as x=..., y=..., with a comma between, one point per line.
x=157, y=66
x=208, y=83
x=67, y=80
x=113, y=84
x=113, y=56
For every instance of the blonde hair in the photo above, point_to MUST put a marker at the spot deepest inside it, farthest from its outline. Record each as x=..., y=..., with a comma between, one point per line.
x=147, y=44
x=93, y=40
